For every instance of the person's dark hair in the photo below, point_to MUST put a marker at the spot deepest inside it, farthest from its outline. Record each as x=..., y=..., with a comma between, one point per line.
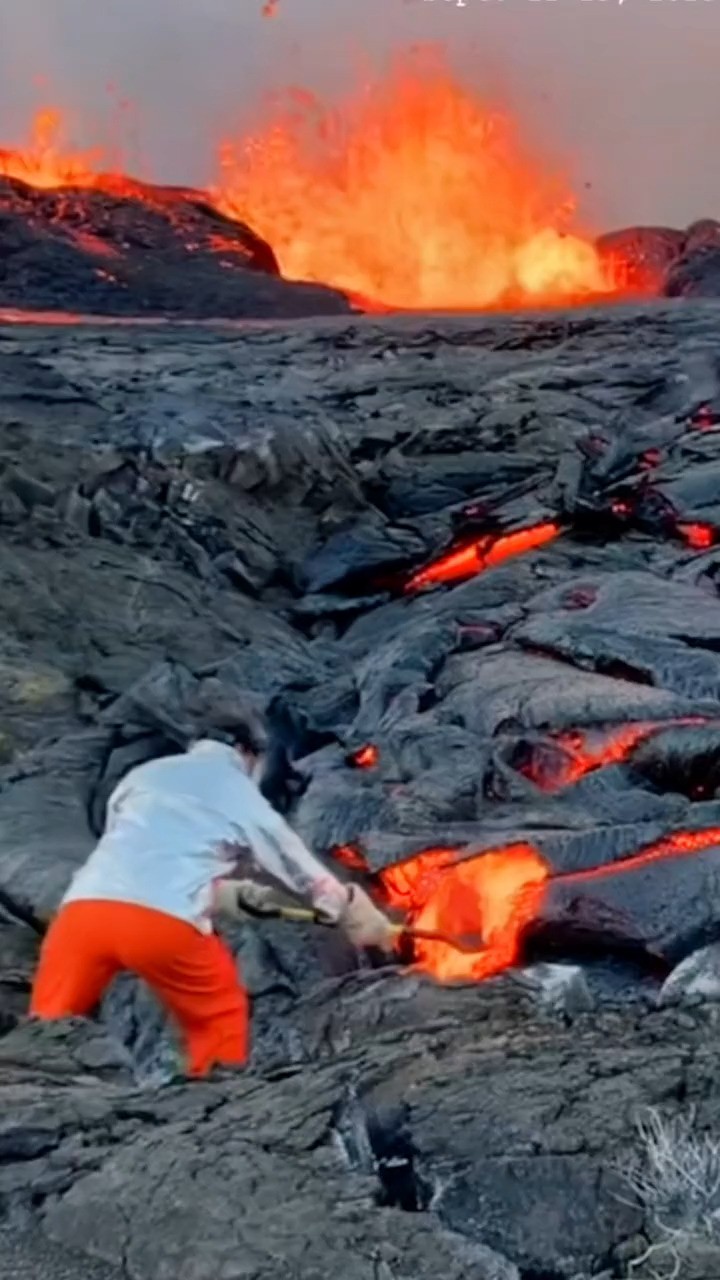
x=228, y=718
x=236, y=733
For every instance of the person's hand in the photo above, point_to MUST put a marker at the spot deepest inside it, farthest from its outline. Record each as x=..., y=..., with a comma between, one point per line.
x=364, y=924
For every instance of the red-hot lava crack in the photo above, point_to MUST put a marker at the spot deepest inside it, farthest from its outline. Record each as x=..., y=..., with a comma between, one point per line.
x=575, y=753
x=704, y=418
x=481, y=554
x=476, y=555
x=366, y=757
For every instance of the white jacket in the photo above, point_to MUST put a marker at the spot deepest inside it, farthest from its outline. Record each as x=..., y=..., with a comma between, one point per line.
x=176, y=825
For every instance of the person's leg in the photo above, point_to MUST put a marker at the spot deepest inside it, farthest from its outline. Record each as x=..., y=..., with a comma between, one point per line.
x=205, y=995
x=194, y=977
x=76, y=961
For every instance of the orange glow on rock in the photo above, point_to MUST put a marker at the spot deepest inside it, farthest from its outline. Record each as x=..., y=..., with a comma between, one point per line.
x=348, y=856
x=365, y=757
x=698, y=536
x=583, y=751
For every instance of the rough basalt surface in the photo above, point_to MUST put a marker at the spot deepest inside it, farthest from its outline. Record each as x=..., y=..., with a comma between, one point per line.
x=184, y=510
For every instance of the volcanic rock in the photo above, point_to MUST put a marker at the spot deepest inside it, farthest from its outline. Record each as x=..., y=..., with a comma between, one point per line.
x=646, y=252
x=140, y=250
x=666, y=260
x=696, y=977
x=695, y=274
x=338, y=523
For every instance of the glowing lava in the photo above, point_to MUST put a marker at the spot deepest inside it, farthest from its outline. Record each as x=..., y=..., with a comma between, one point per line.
x=412, y=192
x=582, y=751
x=493, y=896
x=698, y=536
x=483, y=553
x=44, y=162
x=365, y=757
x=704, y=419
x=679, y=844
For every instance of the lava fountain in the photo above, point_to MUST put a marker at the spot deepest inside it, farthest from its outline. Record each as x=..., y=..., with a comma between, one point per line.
x=413, y=192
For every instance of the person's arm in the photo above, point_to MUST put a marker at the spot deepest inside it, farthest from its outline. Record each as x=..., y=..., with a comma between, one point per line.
x=280, y=852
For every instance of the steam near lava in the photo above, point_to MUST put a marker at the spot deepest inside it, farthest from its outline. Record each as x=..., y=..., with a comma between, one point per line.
x=411, y=192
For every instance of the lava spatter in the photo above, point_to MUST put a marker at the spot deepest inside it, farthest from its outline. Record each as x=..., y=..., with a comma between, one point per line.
x=410, y=193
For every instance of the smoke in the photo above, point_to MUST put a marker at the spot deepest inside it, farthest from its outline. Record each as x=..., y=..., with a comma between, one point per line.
x=624, y=93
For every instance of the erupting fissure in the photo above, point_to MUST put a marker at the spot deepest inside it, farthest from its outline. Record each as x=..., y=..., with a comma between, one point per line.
x=412, y=192
x=494, y=896
x=409, y=193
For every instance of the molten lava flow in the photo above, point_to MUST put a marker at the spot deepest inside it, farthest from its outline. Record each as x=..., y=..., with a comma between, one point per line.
x=413, y=193
x=698, y=536
x=481, y=554
x=365, y=757
x=492, y=897
x=580, y=752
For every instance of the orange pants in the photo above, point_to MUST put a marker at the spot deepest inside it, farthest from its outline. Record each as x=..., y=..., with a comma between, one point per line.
x=192, y=974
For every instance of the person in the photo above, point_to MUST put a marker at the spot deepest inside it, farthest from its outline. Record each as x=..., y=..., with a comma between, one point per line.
x=188, y=839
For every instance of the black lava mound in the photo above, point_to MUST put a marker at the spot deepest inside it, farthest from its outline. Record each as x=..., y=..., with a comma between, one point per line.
x=141, y=250
x=667, y=261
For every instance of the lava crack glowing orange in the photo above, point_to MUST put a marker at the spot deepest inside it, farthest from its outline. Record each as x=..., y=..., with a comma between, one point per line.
x=413, y=193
